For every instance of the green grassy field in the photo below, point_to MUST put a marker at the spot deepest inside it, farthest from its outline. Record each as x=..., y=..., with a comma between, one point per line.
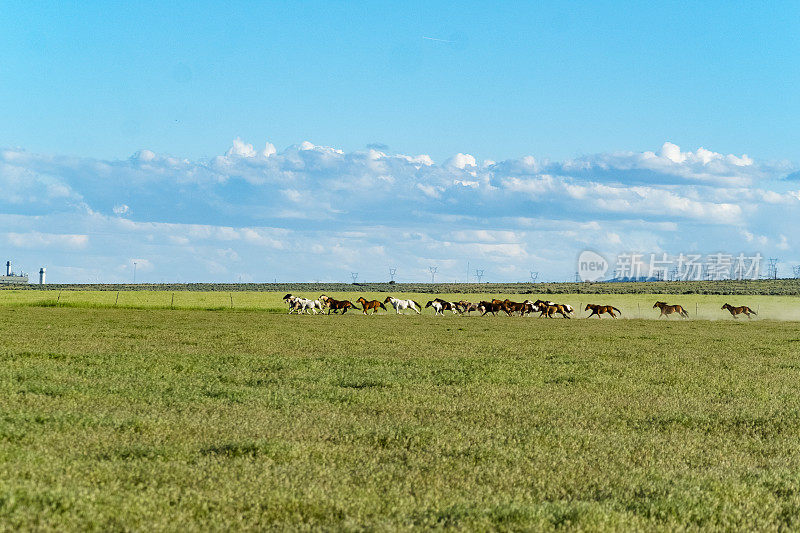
x=191, y=419
x=703, y=306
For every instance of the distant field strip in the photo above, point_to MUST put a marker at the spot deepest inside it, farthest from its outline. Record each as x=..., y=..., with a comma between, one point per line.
x=706, y=307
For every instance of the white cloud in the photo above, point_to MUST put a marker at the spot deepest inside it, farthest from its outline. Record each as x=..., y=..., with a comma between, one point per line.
x=34, y=239
x=272, y=209
x=461, y=161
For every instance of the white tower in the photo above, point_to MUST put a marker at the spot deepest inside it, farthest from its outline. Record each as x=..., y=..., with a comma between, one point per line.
x=42, y=273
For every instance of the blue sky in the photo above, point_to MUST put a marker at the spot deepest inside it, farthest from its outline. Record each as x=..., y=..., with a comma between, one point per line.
x=424, y=133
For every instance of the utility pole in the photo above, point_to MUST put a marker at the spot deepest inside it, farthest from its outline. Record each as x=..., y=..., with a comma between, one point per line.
x=392, y=272
x=354, y=275
x=134, y=272
x=433, y=270
x=772, y=272
x=479, y=274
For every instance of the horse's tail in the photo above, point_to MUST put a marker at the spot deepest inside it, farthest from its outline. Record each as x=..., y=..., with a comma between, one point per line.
x=752, y=311
x=383, y=307
x=617, y=310
x=417, y=304
x=684, y=312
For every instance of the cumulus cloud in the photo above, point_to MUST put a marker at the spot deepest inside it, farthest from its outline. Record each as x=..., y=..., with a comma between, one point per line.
x=273, y=209
x=35, y=239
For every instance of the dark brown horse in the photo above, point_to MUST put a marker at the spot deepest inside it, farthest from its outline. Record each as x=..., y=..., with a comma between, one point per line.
x=739, y=310
x=490, y=307
x=337, y=305
x=600, y=309
x=373, y=304
x=667, y=310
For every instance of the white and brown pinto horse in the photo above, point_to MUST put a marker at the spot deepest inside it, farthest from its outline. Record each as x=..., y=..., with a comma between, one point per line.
x=440, y=306
x=402, y=305
x=302, y=305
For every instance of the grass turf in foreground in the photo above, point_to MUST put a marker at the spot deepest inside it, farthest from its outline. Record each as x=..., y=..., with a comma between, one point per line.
x=132, y=419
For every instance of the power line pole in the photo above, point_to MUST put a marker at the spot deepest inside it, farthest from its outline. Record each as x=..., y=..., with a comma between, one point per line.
x=772, y=272
x=534, y=276
x=354, y=275
x=433, y=270
x=392, y=272
x=134, y=272
x=479, y=274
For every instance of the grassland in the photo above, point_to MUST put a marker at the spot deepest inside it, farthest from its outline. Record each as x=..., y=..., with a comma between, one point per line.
x=142, y=417
x=702, y=306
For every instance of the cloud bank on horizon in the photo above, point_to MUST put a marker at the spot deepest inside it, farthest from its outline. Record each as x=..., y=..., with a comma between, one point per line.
x=311, y=213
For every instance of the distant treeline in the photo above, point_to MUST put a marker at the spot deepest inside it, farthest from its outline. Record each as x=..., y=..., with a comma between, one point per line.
x=776, y=287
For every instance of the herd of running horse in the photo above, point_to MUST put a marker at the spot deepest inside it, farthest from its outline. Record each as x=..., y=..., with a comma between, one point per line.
x=545, y=308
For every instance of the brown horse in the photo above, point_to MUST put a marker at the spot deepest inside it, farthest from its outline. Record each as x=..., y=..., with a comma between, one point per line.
x=513, y=307
x=549, y=309
x=490, y=307
x=739, y=310
x=600, y=309
x=529, y=307
x=667, y=310
x=336, y=305
x=466, y=307
x=373, y=304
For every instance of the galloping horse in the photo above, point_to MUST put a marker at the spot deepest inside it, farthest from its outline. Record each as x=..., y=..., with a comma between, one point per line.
x=440, y=306
x=529, y=307
x=466, y=307
x=402, y=304
x=600, y=309
x=667, y=310
x=372, y=304
x=739, y=310
x=549, y=309
x=302, y=305
x=490, y=307
x=336, y=305
x=513, y=307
